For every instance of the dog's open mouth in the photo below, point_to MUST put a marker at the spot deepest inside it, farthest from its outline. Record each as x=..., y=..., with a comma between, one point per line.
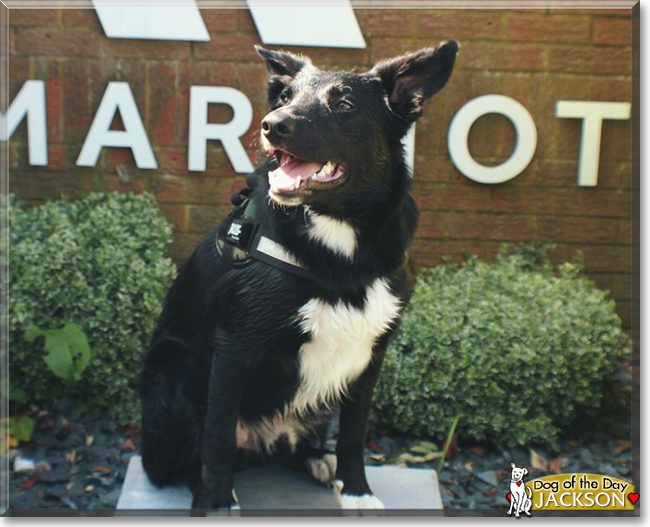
x=295, y=175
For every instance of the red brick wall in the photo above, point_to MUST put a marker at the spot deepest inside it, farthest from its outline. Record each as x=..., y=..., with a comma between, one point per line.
x=534, y=56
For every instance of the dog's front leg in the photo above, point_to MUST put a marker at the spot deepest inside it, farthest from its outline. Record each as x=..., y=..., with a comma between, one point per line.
x=354, y=491
x=219, y=443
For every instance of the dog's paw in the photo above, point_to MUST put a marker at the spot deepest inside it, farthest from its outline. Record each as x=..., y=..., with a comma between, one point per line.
x=323, y=469
x=357, y=502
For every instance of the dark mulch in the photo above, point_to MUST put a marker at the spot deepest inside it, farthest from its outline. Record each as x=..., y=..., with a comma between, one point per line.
x=80, y=462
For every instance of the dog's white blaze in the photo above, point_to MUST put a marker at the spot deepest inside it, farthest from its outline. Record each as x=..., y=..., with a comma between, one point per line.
x=337, y=235
x=342, y=338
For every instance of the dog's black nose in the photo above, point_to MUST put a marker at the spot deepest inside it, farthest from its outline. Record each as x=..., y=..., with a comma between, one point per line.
x=279, y=125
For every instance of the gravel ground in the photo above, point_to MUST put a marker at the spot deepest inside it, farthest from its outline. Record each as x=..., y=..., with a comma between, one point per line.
x=79, y=462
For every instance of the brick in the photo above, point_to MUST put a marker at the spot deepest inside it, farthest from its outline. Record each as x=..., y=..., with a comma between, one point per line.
x=178, y=216
x=615, y=31
x=607, y=258
x=608, y=89
x=492, y=139
x=162, y=116
x=228, y=46
x=432, y=225
x=217, y=20
x=622, y=286
x=466, y=24
x=524, y=200
x=203, y=218
x=246, y=23
x=599, y=60
x=19, y=72
x=60, y=157
x=155, y=49
x=501, y=57
x=625, y=310
x=189, y=74
x=134, y=73
x=385, y=48
x=427, y=253
x=606, y=203
x=172, y=160
x=386, y=22
x=222, y=73
x=603, y=281
x=601, y=12
x=616, y=141
x=81, y=18
x=547, y=28
x=33, y=17
x=55, y=42
x=436, y=197
x=429, y=169
x=577, y=230
x=76, y=112
x=627, y=231
x=495, y=227
x=53, y=104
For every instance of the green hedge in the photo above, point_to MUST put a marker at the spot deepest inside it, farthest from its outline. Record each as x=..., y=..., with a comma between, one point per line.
x=514, y=347
x=99, y=262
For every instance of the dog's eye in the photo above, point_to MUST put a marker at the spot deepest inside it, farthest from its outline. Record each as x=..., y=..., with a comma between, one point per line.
x=284, y=97
x=344, y=106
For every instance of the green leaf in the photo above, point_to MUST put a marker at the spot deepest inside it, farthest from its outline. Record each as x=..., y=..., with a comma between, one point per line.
x=67, y=350
x=21, y=428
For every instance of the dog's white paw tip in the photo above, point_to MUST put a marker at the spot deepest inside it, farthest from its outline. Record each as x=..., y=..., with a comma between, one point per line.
x=323, y=469
x=366, y=501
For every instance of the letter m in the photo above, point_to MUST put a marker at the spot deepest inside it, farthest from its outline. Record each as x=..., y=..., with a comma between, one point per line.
x=29, y=102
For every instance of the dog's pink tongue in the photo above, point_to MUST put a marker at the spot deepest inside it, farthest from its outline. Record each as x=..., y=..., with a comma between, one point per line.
x=285, y=177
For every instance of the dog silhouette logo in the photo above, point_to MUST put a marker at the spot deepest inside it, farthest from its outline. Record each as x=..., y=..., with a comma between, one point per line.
x=520, y=495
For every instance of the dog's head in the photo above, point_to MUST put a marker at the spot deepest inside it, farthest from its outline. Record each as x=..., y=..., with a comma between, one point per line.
x=518, y=473
x=335, y=134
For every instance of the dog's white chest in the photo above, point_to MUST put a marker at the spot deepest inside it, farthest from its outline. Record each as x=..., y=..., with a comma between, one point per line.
x=342, y=338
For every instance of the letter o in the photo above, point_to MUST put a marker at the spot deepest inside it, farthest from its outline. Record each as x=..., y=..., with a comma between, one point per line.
x=524, y=148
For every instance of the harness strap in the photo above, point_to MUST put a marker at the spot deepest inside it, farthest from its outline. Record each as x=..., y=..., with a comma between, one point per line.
x=241, y=231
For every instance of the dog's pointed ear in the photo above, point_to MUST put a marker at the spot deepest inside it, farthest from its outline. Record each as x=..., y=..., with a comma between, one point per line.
x=513, y=465
x=282, y=63
x=525, y=471
x=411, y=79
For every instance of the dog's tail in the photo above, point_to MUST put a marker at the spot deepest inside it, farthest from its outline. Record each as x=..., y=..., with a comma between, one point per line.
x=529, y=492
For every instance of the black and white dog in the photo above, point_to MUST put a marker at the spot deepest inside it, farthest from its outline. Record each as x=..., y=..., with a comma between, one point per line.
x=285, y=310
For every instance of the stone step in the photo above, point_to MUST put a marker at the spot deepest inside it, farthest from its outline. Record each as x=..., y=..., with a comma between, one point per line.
x=279, y=491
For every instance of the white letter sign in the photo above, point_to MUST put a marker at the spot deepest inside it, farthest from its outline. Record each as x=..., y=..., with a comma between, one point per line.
x=228, y=133
x=117, y=97
x=524, y=149
x=29, y=102
x=592, y=114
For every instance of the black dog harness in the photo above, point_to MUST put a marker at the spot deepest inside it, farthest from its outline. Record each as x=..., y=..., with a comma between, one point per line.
x=248, y=238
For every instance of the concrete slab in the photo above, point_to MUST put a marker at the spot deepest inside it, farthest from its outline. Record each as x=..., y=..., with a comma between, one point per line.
x=278, y=491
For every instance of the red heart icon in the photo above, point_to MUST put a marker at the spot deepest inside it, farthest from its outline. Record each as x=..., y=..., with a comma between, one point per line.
x=633, y=497
x=518, y=483
x=509, y=497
